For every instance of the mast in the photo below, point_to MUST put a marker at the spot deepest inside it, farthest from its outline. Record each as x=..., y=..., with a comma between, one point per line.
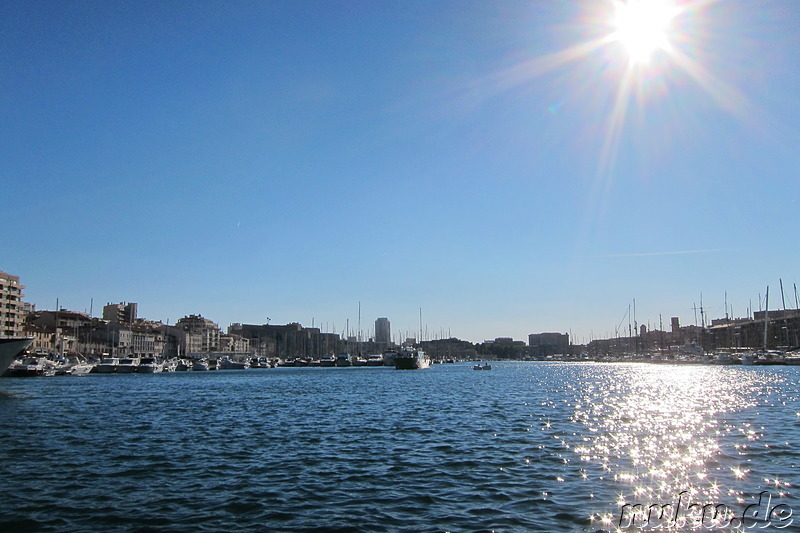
x=796, y=303
x=782, y=298
x=420, y=326
x=766, y=317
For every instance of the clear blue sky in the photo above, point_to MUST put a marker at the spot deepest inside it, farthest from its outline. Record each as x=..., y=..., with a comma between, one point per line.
x=290, y=159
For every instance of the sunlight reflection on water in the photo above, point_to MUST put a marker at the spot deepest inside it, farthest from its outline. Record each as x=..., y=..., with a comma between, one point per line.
x=660, y=430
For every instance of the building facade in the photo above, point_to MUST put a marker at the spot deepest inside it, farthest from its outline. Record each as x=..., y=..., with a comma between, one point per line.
x=544, y=344
x=200, y=335
x=12, y=311
x=121, y=313
x=383, y=332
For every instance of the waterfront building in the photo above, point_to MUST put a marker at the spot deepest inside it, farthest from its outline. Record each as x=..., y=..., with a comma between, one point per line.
x=122, y=313
x=12, y=311
x=544, y=344
x=59, y=331
x=231, y=342
x=289, y=341
x=116, y=339
x=199, y=335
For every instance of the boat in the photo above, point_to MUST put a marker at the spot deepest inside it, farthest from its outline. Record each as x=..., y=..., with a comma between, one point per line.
x=748, y=358
x=127, y=365
x=388, y=357
x=182, y=365
x=30, y=367
x=148, y=365
x=81, y=368
x=411, y=359
x=486, y=366
x=343, y=359
x=227, y=363
x=375, y=360
x=327, y=360
x=10, y=348
x=107, y=365
x=200, y=364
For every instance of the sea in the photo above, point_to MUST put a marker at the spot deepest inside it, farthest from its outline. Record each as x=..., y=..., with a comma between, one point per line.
x=525, y=446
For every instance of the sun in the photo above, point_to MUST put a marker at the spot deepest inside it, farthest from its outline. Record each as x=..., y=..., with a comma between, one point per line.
x=642, y=26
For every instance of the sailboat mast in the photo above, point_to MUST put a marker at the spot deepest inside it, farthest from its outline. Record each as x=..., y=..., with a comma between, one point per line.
x=766, y=317
x=783, y=300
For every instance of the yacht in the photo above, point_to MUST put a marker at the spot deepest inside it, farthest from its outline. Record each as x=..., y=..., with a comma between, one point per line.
x=227, y=363
x=30, y=367
x=388, y=357
x=148, y=365
x=127, y=365
x=107, y=365
x=81, y=368
x=327, y=360
x=411, y=359
x=10, y=348
x=200, y=364
x=375, y=360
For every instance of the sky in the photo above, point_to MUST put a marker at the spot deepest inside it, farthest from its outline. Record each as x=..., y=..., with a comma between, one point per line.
x=497, y=168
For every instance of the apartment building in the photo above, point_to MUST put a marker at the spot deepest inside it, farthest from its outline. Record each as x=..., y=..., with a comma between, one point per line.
x=12, y=310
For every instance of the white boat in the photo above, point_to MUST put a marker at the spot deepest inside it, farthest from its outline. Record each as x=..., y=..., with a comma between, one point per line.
x=327, y=360
x=411, y=359
x=30, y=367
x=375, y=360
x=226, y=363
x=200, y=364
x=128, y=365
x=107, y=365
x=10, y=348
x=486, y=366
x=81, y=369
x=149, y=365
x=748, y=358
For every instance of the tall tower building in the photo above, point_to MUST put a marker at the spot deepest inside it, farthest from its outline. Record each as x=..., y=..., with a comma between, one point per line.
x=383, y=331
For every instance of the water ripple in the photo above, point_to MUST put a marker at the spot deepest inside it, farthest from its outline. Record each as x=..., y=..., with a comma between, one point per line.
x=525, y=447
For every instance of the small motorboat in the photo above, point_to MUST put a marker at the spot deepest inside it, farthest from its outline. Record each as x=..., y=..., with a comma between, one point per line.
x=486, y=366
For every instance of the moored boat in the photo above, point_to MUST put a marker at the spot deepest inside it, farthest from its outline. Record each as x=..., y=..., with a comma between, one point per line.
x=375, y=360
x=411, y=359
x=10, y=348
x=149, y=365
x=107, y=365
x=128, y=365
x=30, y=367
x=227, y=363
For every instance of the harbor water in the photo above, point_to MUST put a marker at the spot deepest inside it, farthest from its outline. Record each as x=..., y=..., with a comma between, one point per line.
x=557, y=447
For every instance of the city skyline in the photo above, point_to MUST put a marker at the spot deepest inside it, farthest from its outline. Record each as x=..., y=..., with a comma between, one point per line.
x=509, y=169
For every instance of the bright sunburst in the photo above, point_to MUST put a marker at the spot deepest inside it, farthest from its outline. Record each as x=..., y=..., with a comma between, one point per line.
x=642, y=27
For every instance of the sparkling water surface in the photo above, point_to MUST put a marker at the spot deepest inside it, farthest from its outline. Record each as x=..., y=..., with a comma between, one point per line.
x=523, y=447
